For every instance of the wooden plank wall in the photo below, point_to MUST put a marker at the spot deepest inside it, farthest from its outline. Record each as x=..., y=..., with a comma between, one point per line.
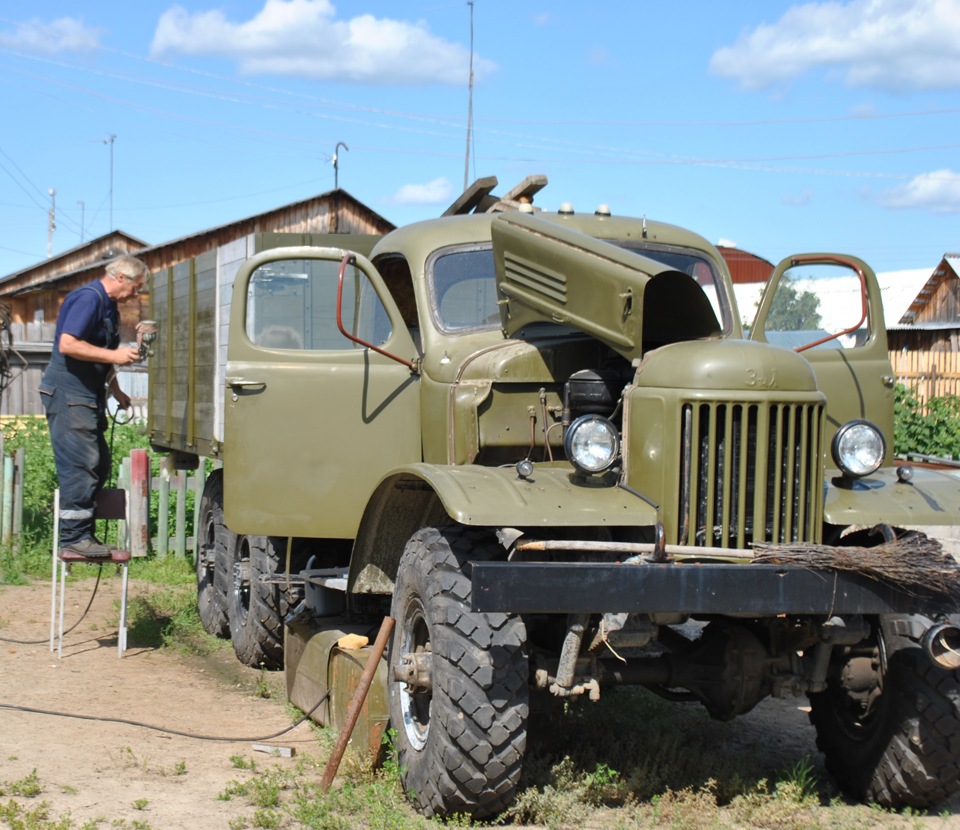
x=929, y=374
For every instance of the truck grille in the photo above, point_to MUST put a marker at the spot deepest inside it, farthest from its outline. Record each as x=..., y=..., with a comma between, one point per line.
x=750, y=472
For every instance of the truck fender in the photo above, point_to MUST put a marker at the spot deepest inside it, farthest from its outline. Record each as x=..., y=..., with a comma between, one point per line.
x=424, y=495
x=923, y=497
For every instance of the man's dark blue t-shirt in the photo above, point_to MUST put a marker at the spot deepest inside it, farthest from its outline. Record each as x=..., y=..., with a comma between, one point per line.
x=90, y=315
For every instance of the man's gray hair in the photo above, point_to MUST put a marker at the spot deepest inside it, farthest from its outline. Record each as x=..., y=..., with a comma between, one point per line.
x=127, y=266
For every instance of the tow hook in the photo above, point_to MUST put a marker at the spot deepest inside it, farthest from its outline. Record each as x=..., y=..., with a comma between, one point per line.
x=415, y=670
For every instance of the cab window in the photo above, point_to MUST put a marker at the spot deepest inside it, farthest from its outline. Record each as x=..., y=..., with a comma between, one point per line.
x=818, y=306
x=463, y=289
x=292, y=305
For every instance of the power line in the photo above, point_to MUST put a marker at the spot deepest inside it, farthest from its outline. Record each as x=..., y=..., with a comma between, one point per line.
x=613, y=154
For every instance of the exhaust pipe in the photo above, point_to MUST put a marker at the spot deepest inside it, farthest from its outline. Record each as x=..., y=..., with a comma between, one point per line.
x=941, y=644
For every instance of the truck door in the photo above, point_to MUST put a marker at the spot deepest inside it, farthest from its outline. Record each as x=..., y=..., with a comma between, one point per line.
x=313, y=418
x=828, y=308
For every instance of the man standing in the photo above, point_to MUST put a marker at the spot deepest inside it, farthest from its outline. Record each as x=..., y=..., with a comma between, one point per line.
x=74, y=389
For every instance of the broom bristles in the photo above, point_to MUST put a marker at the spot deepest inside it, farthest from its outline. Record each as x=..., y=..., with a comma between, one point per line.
x=913, y=561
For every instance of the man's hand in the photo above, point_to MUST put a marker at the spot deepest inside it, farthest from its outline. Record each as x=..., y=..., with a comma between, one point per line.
x=125, y=355
x=121, y=397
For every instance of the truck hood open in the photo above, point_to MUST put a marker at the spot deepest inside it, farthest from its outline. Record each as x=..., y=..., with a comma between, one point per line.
x=547, y=273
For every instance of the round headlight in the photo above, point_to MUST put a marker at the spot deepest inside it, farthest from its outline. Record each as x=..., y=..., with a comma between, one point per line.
x=591, y=443
x=858, y=448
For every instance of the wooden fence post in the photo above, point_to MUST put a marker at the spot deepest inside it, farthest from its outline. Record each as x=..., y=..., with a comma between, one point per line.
x=180, y=539
x=163, y=514
x=199, y=480
x=139, y=503
x=18, y=498
x=8, y=479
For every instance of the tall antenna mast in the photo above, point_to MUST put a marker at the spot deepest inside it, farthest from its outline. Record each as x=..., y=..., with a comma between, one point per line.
x=109, y=140
x=466, y=163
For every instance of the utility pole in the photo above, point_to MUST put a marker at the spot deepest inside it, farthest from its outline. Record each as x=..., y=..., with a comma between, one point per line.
x=51, y=221
x=336, y=163
x=109, y=140
x=466, y=163
x=80, y=202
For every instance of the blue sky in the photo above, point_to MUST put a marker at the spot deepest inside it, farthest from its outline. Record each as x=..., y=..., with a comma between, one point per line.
x=779, y=127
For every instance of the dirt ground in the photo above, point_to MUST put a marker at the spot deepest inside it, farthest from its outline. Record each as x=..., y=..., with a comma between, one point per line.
x=93, y=769
x=100, y=770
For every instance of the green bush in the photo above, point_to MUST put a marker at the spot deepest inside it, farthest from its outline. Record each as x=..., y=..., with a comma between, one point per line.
x=40, y=480
x=933, y=429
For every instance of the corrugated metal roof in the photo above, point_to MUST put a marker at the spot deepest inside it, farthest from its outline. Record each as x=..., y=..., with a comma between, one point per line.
x=924, y=326
x=744, y=266
x=837, y=296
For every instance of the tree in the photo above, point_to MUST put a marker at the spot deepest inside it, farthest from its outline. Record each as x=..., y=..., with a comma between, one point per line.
x=792, y=310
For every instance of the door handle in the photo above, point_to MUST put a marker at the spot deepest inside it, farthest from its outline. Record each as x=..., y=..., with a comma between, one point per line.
x=243, y=383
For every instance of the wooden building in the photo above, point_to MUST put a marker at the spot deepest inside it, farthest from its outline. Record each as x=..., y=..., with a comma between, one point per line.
x=932, y=321
x=35, y=294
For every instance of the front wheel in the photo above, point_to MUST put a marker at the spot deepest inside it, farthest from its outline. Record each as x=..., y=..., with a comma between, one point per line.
x=888, y=723
x=458, y=680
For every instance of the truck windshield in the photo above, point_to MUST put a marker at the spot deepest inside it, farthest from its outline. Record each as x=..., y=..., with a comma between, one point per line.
x=463, y=290
x=692, y=264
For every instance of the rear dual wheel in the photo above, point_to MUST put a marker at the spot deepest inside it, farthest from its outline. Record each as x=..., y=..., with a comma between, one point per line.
x=260, y=599
x=213, y=567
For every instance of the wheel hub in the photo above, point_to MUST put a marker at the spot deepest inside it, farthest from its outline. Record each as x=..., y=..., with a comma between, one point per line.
x=415, y=672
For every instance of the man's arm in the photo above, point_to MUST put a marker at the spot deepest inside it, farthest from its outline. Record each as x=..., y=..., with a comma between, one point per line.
x=71, y=346
x=121, y=397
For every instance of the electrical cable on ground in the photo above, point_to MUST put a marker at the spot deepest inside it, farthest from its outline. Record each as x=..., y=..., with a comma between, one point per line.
x=32, y=711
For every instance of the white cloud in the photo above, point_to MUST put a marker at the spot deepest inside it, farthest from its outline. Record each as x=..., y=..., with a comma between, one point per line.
x=937, y=192
x=726, y=243
x=439, y=191
x=892, y=45
x=65, y=34
x=304, y=38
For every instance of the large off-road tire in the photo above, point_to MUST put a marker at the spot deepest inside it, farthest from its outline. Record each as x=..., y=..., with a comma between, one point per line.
x=888, y=723
x=214, y=575
x=258, y=608
x=460, y=736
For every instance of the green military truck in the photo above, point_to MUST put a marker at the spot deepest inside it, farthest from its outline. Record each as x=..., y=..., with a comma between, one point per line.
x=542, y=444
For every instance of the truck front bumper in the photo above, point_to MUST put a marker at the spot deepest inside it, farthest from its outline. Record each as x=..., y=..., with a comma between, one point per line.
x=746, y=590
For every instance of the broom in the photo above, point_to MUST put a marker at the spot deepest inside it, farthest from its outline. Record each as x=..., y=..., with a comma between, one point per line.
x=912, y=561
